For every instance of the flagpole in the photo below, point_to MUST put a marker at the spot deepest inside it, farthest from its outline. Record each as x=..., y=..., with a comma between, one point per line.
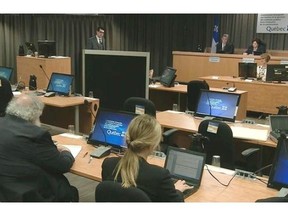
x=215, y=35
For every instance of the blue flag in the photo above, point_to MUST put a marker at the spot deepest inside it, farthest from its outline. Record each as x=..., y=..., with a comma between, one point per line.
x=215, y=37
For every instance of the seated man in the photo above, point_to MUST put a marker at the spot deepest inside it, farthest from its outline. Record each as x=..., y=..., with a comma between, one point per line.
x=5, y=94
x=225, y=46
x=31, y=165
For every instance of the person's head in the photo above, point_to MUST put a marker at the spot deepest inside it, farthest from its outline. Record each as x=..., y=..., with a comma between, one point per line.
x=5, y=94
x=26, y=106
x=265, y=58
x=100, y=32
x=256, y=42
x=142, y=137
x=225, y=38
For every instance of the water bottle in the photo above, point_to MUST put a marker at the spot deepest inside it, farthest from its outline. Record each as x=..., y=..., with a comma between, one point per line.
x=33, y=82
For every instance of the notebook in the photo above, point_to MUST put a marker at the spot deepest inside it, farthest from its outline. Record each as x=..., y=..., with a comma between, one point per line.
x=185, y=165
x=60, y=83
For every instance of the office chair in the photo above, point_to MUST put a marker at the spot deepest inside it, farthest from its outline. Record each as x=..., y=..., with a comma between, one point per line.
x=110, y=191
x=5, y=94
x=193, y=92
x=131, y=104
x=219, y=142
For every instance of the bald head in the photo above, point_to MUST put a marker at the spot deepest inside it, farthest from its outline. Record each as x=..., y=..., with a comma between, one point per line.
x=26, y=106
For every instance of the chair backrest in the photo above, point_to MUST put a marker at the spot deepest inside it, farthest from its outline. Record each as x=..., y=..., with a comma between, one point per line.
x=219, y=142
x=5, y=94
x=133, y=104
x=193, y=92
x=110, y=191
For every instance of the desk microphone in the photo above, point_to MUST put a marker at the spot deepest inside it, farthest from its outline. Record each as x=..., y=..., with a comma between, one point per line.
x=44, y=72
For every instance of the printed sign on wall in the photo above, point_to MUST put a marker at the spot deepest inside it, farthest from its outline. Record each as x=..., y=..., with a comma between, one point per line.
x=272, y=23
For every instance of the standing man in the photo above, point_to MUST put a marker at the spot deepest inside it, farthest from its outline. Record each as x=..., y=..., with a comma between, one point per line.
x=97, y=42
x=225, y=46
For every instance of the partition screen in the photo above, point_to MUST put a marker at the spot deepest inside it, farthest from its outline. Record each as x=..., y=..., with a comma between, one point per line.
x=114, y=76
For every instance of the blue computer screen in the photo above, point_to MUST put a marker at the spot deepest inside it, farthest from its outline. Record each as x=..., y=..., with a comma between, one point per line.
x=278, y=176
x=222, y=105
x=60, y=83
x=6, y=72
x=110, y=128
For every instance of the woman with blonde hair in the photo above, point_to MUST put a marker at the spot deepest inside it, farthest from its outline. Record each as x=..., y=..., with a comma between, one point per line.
x=262, y=66
x=132, y=170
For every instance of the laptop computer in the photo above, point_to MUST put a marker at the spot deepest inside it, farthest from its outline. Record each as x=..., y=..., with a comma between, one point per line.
x=60, y=83
x=185, y=165
x=6, y=72
x=110, y=127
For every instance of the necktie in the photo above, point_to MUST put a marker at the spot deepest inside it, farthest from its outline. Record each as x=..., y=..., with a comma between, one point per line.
x=100, y=41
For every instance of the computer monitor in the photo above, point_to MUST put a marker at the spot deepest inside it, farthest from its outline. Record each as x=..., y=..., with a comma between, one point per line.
x=114, y=76
x=247, y=70
x=6, y=72
x=277, y=73
x=60, y=83
x=168, y=77
x=46, y=48
x=278, y=177
x=220, y=105
x=110, y=127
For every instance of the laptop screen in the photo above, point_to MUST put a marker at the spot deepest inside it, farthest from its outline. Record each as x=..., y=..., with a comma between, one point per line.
x=6, y=72
x=185, y=164
x=60, y=83
x=278, y=177
x=222, y=105
x=110, y=127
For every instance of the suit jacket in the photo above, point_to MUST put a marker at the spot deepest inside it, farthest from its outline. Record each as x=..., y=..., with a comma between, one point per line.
x=31, y=166
x=228, y=49
x=155, y=181
x=260, y=50
x=5, y=94
x=93, y=44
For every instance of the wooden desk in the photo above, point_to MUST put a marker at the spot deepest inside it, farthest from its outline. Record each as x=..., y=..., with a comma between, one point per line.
x=188, y=123
x=239, y=190
x=31, y=65
x=59, y=111
x=192, y=65
x=162, y=96
x=262, y=97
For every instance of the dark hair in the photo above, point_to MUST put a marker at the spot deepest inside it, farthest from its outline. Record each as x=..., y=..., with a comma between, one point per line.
x=257, y=40
x=99, y=28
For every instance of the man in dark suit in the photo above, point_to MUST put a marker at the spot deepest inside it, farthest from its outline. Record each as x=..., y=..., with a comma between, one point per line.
x=225, y=46
x=97, y=42
x=31, y=165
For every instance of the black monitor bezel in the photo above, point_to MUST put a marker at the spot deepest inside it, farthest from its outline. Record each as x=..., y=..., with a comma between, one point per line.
x=59, y=92
x=272, y=183
x=270, y=72
x=50, y=45
x=202, y=91
x=94, y=142
x=248, y=66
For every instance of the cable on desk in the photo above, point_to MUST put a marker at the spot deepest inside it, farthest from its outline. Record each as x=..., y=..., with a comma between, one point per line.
x=217, y=179
x=265, y=167
x=261, y=180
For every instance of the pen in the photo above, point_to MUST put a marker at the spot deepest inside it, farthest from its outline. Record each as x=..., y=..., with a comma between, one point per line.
x=90, y=160
x=85, y=154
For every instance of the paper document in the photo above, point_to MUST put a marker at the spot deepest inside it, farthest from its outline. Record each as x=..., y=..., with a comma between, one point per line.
x=75, y=149
x=249, y=133
x=74, y=136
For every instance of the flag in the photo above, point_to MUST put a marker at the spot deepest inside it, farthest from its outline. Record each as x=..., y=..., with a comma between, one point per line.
x=215, y=36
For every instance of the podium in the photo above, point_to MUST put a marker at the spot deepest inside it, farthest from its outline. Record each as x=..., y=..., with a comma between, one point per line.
x=31, y=65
